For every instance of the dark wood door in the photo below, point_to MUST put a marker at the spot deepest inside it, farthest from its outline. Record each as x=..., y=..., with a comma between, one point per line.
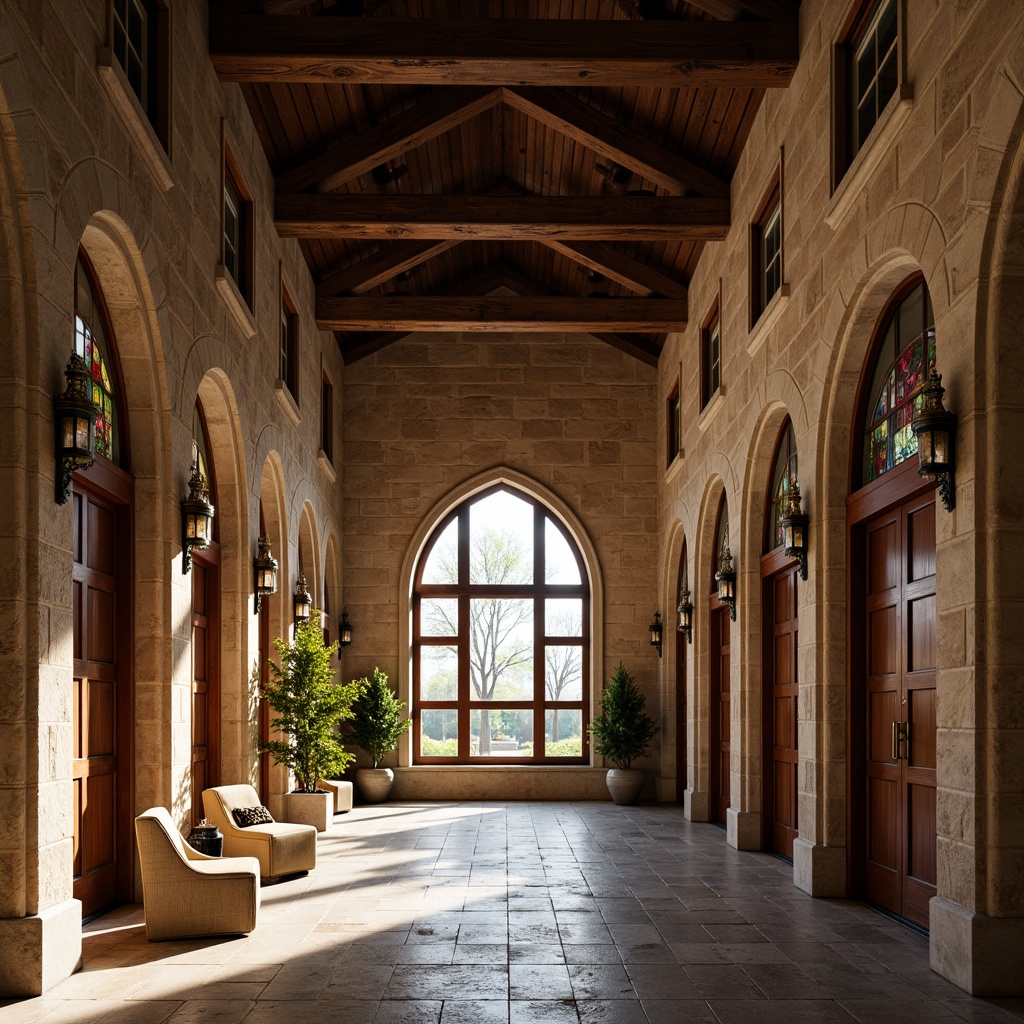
x=719, y=712
x=101, y=712
x=205, y=675
x=264, y=726
x=900, y=868
x=681, y=751
x=781, y=697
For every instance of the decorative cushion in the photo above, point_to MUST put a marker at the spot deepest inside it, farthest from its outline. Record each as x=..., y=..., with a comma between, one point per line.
x=246, y=816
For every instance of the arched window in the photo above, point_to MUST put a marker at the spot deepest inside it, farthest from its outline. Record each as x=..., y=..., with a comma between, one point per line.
x=903, y=360
x=721, y=543
x=93, y=343
x=501, y=636
x=783, y=478
x=201, y=453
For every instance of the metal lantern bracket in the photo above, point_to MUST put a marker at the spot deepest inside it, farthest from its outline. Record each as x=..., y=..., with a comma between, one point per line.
x=794, y=523
x=726, y=577
x=301, y=602
x=935, y=429
x=685, y=613
x=196, y=517
x=655, y=630
x=264, y=567
x=74, y=425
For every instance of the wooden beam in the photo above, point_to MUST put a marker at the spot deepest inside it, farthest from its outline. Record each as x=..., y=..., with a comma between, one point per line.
x=380, y=267
x=532, y=218
x=592, y=129
x=539, y=51
x=635, y=345
x=769, y=10
x=616, y=265
x=432, y=117
x=498, y=313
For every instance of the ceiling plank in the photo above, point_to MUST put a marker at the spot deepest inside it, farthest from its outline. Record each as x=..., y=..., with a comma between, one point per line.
x=612, y=140
x=537, y=51
x=770, y=10
x=498, y=313
x=432, y=117
x=380, y=267
x=618, y=266
x=531, y=218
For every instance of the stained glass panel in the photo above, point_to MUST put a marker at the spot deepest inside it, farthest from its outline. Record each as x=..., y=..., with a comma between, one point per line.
x=90, y=343
x=909, y=351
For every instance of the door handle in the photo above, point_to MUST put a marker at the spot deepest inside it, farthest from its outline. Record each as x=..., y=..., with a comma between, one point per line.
x=900, y=734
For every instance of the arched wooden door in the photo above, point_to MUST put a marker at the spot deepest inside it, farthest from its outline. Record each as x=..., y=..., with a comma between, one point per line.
x=779, y=682
x=682, y=642
x=205, y=642
x=719, y=664
x=893, y=626
x=103, y=697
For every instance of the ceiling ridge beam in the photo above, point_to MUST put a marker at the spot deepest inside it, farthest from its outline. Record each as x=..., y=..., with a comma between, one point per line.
x=596, y=131
x=530, y=218
x=660, y=54
x=358, y=155
x=496, y=313
x=620, y=267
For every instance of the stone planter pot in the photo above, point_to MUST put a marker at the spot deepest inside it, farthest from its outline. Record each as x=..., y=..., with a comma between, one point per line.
x=625, y=784
x=374, y=784
x=309, y=809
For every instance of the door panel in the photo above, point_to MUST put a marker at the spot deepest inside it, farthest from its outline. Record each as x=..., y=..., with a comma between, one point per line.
x=900, y=709
x=205, y=675
x=781, y=703
x=96, y=757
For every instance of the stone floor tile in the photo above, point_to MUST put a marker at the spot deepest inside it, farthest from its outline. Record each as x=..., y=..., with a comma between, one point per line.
x=358, y=982
x=782, y=1011
x=678, y=1011
x=600, y=981
x=592, y=953
x=721, y=981
x=661, y=981
x=543, y=1012
x=480, y=953
x=409, y=1011
x=646, y=953
x=611, y=1011
x=536, y=953
x=470, y=981
x=205, y=1011
x=475, y=1011
x=892, y=1011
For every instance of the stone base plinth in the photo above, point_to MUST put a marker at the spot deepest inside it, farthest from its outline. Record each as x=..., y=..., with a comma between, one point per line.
x=983, y=955
x=40, y=951
x=743, y=829
x=695, y=805
x=819, y=870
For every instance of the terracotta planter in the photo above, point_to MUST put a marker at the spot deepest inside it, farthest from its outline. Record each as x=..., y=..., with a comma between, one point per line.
x=625, y=784
x=374, y=784
x=309, y=809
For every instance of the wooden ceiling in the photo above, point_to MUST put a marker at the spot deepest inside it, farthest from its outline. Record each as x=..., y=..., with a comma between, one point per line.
x=576, y=153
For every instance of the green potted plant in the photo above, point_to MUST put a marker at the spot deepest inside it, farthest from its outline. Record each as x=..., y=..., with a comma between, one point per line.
x=622, y=731
x=377, y=726
x=309, y=702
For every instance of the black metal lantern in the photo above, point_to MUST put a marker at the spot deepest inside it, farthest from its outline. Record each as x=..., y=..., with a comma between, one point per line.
x=264, y=568
x=196, y=515
x=935, y=429
x=726, y=578
x=344, y=631
x=685, y=613
x=301, y=602
x=74, y=426
x=794, y=523
x=655, y=630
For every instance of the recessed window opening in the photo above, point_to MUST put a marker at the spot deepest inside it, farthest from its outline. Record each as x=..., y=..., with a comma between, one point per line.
x=711, y=357
x=875, y=71
x=675, y=426
x=501, y=637
x=784, y=476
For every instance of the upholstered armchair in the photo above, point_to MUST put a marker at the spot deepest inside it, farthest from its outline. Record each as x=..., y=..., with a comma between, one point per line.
x=281, y=847
x=184, y=892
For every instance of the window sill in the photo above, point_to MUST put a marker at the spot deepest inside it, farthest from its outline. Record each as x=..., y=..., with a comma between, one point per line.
x=325, y=464
x=710, y=411
x=134, y=118
x=768, y=319
x=288, y=403
x=235, y=302
x=878, y=144
x=675, y=465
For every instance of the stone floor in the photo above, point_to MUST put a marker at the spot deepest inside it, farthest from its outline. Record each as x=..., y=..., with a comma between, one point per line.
x=519, y=913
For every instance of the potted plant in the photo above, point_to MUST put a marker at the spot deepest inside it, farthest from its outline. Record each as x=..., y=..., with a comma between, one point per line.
x=622, y=731
x=377, y=725
x=309, y=703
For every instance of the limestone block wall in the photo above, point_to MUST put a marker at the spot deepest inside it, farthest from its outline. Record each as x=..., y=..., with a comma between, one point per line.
x=430, y=412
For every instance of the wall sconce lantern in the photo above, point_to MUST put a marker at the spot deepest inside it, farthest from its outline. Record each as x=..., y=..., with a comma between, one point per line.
x=726, y=578
x=74, y=426
x=794, y=522
x=935, y=429
x=264, y=568
x=655, y=629
x=301, y=602
x=685, y=612
x=344, y=631
x=196, y=515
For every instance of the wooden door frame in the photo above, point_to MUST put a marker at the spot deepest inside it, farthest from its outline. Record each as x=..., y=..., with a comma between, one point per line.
x=210, y=558
x=682, y=767
x=117, y=487
x=773, y=564
x=900, y=485
x=716, y=607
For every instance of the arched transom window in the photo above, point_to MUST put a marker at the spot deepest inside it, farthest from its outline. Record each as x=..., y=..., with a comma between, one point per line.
x=93, y=345
x=905, y=356
x=783, y=478
x=501, y=637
